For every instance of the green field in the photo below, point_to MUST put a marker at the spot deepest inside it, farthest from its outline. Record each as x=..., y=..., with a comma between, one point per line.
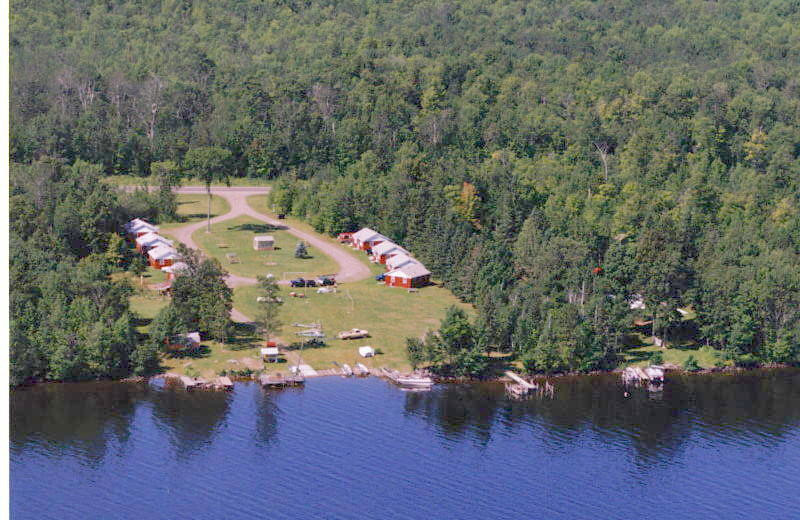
x=193, y=207
x=237, y=237
x=389, y=314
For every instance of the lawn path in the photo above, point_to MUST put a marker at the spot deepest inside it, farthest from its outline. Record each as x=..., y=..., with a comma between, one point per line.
x=351, y=269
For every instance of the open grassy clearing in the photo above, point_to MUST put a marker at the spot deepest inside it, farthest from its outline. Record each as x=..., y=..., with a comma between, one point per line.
x=132, y=180
x=237, y=237
x=389, y=314
x=193, y=207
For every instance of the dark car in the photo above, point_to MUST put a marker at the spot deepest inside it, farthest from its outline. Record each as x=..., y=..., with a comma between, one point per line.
x=311, y=283
x=298, y=282
x=380, y=277
x=326, y=280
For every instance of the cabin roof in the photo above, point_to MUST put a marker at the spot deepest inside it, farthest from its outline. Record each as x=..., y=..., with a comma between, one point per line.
x=367, y=235
x=410, y=270
x=162, y=252
x=387, y=247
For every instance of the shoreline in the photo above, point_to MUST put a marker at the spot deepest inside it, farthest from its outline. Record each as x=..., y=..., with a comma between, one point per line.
x=766, y=367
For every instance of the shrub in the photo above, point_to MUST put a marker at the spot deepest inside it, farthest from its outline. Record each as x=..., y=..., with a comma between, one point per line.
x=657, y=358
x=691, y=364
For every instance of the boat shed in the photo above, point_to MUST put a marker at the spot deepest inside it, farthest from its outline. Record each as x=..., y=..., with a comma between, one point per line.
x=412, y=274
x=385, y=250
x=367, y=238
x=162, y=256
x=264, y=243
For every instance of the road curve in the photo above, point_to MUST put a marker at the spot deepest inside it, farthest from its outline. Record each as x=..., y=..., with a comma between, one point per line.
x=351, y=269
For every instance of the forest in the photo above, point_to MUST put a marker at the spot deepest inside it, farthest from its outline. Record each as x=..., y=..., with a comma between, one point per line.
x=551, y=162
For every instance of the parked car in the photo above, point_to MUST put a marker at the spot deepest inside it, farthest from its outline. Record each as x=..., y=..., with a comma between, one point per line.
x=311, y=283
x=326, y=280
x=353, y=334
x=380, y=277
x=298, y=282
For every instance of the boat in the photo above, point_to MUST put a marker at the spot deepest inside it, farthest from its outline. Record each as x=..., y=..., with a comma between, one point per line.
x=415, y=381
x=346, y=370
x=361, y=369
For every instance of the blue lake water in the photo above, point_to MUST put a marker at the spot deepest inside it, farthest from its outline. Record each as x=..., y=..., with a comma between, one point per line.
x=707, y=447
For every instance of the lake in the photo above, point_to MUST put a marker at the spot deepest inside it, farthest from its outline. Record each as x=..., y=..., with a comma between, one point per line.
x=708, y=446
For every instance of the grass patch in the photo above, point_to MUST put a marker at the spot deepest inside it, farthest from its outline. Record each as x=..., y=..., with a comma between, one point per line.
x=237, y=234
x=193, y=207
x=640, y=355
x=213, y=357
x=389, y=314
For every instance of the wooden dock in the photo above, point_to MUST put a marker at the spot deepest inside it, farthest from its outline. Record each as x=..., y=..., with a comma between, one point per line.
x=520, y=388
x=280, y=380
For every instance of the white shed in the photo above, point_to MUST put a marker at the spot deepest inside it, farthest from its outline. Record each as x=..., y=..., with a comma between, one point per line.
x=366, y=351
x=263, y=243
x=270, y=354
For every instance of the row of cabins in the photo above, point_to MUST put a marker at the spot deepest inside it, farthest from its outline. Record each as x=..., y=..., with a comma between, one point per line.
x=403, y=270
x=160, y=251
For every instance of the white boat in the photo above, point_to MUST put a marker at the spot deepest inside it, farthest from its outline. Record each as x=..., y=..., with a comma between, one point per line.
x=415, y=381
x=346, y=370
x=362, y=368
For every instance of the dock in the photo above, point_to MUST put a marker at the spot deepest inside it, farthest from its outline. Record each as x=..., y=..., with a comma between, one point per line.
x=280, y=380
x=652, y=375
x=519, y=388
x=223, y=383
x=188, y=382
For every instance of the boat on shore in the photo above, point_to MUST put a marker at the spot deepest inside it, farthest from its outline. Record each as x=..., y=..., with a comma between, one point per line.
x=410, y=381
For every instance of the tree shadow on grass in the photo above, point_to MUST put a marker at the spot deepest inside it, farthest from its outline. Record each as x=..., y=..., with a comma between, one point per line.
x=141, y=322
x=256, y=228
x=195, y=353
x=242, y=337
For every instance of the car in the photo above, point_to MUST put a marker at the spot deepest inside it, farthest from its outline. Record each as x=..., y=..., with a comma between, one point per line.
x=326, y=280
x=353, y=334
x=298, y=282
x=380, y=277
x=311, y=283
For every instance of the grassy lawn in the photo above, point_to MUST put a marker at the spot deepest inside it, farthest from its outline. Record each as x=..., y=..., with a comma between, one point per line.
x=389, y=314
x=677, y=354
x=237, y=234
x=132, y=180
x=193, y=207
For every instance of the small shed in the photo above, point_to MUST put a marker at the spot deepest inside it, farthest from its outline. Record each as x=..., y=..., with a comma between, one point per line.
x=412, y=274
x=366, y=351
x=385, y=250
x=190, y=340
x=263, y=243
x=162, y=256
x=270, y=354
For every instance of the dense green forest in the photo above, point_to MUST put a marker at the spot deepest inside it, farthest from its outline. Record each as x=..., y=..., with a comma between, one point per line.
x=550, y=161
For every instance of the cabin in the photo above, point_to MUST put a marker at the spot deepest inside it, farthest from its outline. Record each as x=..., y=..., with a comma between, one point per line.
x=385, y=250
x=162, y=256
x=399, y=260
x=410, y=275
x=264, y=243
x=138, y=227
x=188, y=341
x=345, y=238
x=149, y=241
x=174, y=270
x=367, y=239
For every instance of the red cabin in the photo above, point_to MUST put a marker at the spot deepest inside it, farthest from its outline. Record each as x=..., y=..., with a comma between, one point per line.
x=410, y=275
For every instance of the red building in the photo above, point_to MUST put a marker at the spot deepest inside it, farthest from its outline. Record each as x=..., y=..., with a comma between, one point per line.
x=367, y=239
x=162, y=256
x=386, y=250
x=412, y=274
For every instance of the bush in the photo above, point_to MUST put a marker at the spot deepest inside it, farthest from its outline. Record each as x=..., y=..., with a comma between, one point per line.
x=657, y=358
x=690, y=364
